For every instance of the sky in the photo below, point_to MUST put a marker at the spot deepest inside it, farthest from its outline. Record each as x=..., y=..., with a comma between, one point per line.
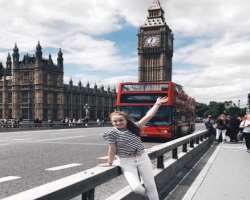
x=99, y=42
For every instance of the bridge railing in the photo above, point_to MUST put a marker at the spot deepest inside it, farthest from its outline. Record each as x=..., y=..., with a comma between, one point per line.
x=85, y=182
x=47, y=125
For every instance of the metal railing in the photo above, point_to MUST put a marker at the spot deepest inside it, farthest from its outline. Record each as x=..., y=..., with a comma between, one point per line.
x=84, y=183
x=47, y=125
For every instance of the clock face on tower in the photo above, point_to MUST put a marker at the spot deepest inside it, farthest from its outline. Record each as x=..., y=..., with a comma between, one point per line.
x=151, y=41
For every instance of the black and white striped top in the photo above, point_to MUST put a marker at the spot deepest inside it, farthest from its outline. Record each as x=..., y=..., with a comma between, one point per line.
x=127, y=143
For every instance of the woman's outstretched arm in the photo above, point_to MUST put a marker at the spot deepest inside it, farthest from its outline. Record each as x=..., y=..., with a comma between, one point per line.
x=151, y=113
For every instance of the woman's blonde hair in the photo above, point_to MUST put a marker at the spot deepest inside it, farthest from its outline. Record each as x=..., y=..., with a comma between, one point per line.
x=131, y=126
x=125, y=115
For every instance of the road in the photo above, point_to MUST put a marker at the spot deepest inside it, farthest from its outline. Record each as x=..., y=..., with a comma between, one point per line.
x=33, y=158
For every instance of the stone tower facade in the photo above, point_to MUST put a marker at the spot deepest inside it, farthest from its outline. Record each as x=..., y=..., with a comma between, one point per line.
x=37, y=86
x=155, y=47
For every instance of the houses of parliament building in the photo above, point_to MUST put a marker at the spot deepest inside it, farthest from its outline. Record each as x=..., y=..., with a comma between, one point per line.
x=33, y=88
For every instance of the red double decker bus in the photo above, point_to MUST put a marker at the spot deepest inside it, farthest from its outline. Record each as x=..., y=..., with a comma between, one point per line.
x=173, y=120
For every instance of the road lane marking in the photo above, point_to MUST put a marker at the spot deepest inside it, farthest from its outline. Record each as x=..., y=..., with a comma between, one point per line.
x=63, y=167
x=9, y=178
x=21, y=139
x=102, y=158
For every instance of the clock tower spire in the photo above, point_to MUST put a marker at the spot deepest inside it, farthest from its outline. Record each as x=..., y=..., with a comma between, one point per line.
x=155, y=47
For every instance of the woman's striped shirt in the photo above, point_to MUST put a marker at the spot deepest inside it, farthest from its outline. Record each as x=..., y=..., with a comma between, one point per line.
x=127, y=143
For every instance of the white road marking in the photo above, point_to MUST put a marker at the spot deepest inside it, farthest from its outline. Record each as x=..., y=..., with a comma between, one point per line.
x=21, y=139
x=9, y=178
x=63, y=167
x=102, y=158
x=200, y=178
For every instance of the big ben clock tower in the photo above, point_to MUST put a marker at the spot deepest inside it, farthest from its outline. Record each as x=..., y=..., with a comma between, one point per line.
x=155, y=47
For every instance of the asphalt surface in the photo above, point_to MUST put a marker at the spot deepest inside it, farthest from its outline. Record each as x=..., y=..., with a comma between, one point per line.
x=32, y=158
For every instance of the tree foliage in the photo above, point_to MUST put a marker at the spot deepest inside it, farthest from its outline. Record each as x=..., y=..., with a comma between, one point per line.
x=217, y=108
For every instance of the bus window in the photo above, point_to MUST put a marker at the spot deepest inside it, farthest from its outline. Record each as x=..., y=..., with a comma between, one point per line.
x=140, y=98
x=163, y=117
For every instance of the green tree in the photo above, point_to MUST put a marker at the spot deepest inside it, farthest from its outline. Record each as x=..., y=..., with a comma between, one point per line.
x=215, y=108
x=201, y=109
x=234, y=111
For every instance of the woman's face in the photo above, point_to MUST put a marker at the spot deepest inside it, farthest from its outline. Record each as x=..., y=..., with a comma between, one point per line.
x=119, y=121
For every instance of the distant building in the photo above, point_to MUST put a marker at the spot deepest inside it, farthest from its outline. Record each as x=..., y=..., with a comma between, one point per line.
x=155, y=47
x=33, y=88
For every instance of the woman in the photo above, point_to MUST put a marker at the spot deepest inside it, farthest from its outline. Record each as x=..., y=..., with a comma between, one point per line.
x=221, y=127
x=245, y=124
x=124, y=141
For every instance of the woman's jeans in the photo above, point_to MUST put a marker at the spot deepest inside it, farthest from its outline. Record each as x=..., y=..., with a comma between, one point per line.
x=140, y=166
x=219, y=132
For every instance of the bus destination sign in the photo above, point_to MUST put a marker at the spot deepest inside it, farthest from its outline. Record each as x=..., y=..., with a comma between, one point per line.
x=144, y=87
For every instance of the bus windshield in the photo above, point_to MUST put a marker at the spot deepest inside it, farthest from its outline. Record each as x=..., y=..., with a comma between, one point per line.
x=141, y=98
x=162, y=118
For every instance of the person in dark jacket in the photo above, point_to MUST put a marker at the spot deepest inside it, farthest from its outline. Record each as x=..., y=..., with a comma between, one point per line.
x=209, y=123
x=221, y=127
x=233, y=128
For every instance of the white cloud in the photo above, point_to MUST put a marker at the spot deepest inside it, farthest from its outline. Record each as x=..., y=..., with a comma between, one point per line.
x=221, y=73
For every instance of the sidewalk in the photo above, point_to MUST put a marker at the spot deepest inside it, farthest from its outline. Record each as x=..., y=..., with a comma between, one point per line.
x=226, y=176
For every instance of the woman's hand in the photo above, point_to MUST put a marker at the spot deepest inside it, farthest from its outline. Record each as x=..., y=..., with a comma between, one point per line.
x=161, y=100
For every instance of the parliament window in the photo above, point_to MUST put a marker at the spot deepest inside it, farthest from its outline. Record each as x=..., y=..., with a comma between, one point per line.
x=27, y=77
x=10, y=97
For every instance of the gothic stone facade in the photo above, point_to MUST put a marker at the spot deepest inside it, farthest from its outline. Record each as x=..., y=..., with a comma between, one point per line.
x=33, y=88
x=155, y=47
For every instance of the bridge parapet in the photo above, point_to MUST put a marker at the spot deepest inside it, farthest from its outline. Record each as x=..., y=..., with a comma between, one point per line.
x=186, y=151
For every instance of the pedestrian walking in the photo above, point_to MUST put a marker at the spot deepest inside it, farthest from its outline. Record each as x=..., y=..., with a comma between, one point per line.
x=209, y=123
x=233, y=128
x=125, y=144
x=245, y=124
x=221, y=127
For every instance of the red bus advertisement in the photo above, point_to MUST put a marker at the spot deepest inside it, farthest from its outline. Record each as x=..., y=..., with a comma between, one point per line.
x=173, y=120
